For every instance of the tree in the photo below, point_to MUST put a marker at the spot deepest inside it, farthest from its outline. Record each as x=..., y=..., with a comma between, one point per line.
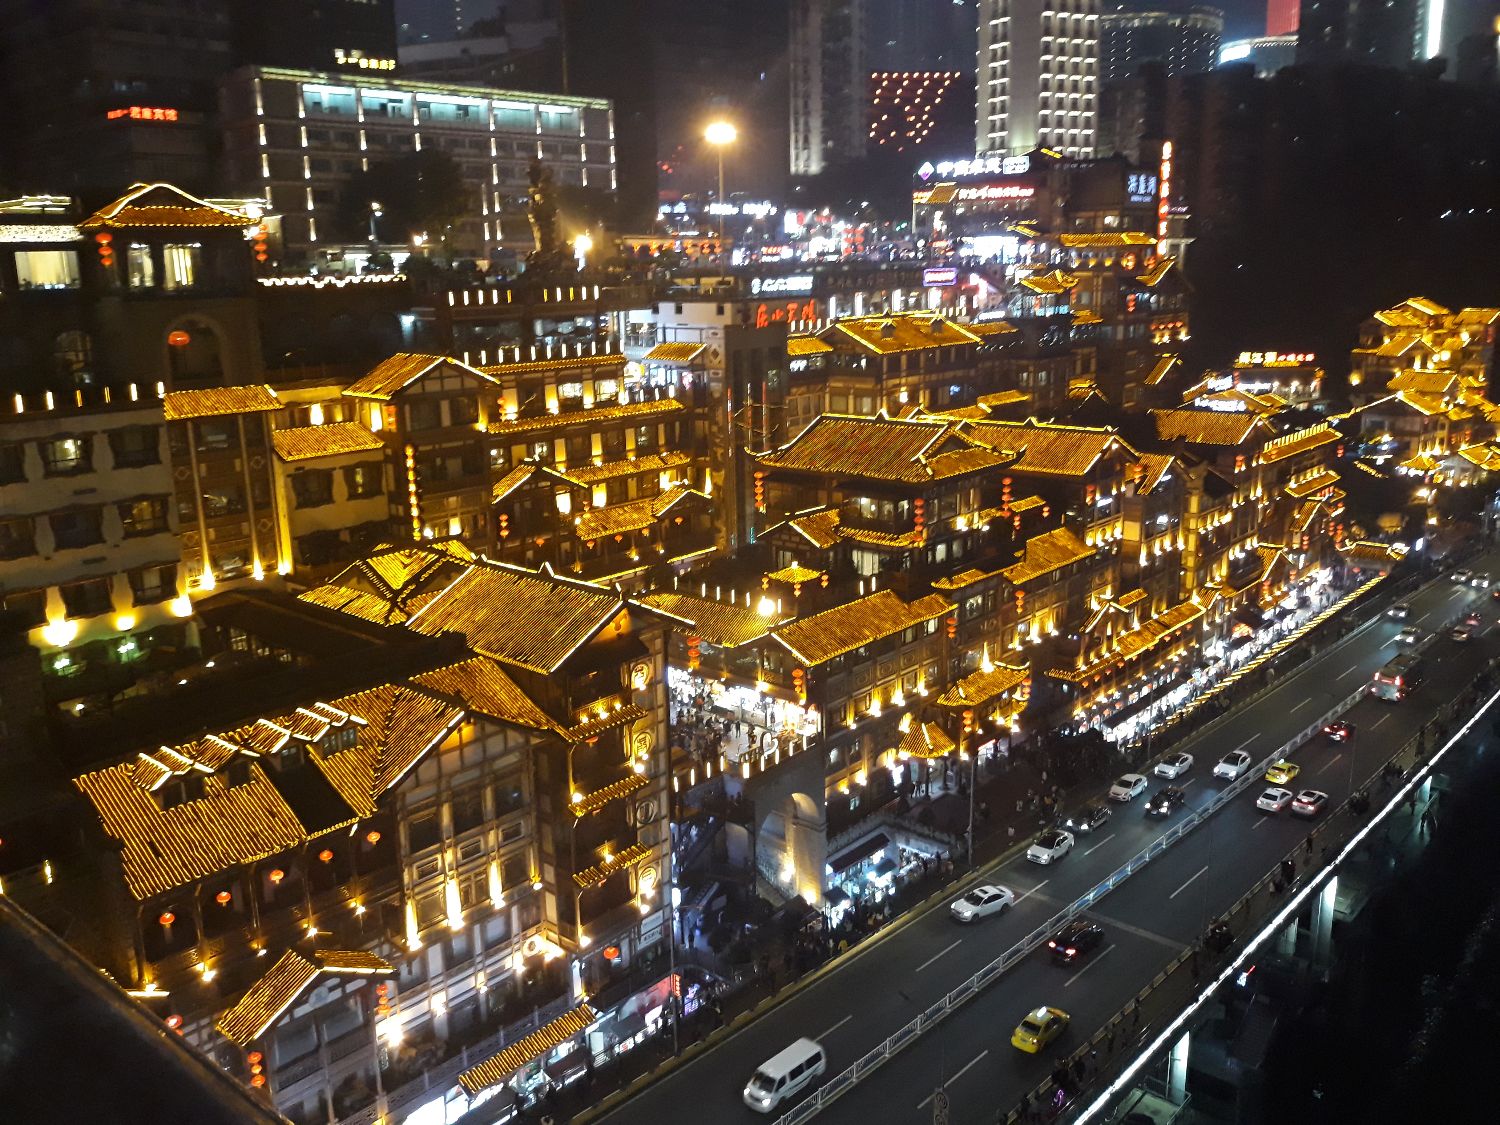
x=419, y=193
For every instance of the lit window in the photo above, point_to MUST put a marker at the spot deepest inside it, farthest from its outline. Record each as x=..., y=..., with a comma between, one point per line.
x=180, y=266
x=47, y=269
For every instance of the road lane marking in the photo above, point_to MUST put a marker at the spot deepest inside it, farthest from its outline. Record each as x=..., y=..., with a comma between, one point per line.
x=1100, y=844
x=1247, y=742
x=925, y=1102
x=1072, y=979
x=1330, y=762
x=832, y=1029
x=1185, y=784
x=1189, y=883
x=1106, y=920
x=1378, y=721
x=1259, y=821
x=1023, y=894
x=936, y=955
x=1346, y=675
x=1301, y=705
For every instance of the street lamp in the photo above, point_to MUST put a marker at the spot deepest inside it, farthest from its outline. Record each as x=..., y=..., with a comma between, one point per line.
x=375, y=212
x=582, y=244
x=721, y=134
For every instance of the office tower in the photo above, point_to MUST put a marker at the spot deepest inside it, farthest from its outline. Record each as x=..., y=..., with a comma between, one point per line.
x=1038, y=73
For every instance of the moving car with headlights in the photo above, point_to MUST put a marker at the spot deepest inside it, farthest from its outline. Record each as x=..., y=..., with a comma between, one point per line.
x=1399, y=612
x=1050, y=846
x=1409, y=636
x=1400, y=676
x=1039, y=1028
x=1340, y=730
x=1480, y=580
x=981, y=902
x=1076, y=940
x=1309, y=802
x=1463, y=575
x=1165, y=801
x=1274, y=799
x=1091, y=817
x=1127, y=787
x=785, y=1074
x=1473, y=618
x=1232, y=765
x=1173, y=766
x=1463, y=633
x=1282, y=771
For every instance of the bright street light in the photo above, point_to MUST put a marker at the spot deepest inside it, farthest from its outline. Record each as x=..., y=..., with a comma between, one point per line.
x=721, y=134
x=582, y=244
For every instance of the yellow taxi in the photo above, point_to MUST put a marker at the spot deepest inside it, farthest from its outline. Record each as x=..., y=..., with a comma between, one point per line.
x=1282, y=771
x=1039, y=1028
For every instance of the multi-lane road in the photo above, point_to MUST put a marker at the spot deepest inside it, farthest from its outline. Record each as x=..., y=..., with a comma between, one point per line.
x=1147, y=921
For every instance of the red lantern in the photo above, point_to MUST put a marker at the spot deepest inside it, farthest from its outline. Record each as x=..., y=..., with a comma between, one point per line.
x=166, y=918
x=326, y=855
x=372, y=837
x=612, y=952
x=952, y=627
x=223, y=898
x=760, y=492
x=968, y=720
x=277, y=875
x=174, y=1021
x=177, y=338
x=104, y=238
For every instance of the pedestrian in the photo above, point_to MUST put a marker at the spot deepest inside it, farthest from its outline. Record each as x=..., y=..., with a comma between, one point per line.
x=1309, y=845
x=1426, y=822
x=1010, y=833
x=1020, y=805
x=1411, y=801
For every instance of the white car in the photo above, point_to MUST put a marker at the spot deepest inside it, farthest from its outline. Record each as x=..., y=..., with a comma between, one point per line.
x=1050, y=846
x=1409, y=636
x=1310, y=802
x=1128, y=787
x=1232, y=765
x=1463, y=576
x=982, y=901
x=1463, y=633
x=1274, y=799
x=1173, y=765
x=1480, y=581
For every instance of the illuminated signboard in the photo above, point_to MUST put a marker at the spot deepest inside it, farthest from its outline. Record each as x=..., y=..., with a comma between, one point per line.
x=798, y=283
x=777, y=314
x=1276, y=359
x=995, y=191
x=142, y=113
x=1141, y=187
x=979, y=166
x=361, y=60
x=939, y=275
x=1164, y=201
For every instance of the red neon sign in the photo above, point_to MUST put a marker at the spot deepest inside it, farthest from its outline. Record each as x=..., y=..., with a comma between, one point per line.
x=142, y=113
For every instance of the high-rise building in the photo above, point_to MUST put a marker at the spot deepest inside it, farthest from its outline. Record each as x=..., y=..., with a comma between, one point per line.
x=1184, y=41
x=1038, y=74
x=1282, y=17
x=1383, y=32
x=829, y=72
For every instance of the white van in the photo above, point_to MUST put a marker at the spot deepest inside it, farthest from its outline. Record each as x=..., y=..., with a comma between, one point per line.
x=785, y=1074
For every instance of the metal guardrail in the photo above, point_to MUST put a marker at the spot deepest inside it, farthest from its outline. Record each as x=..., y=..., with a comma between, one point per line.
x=871, y=1061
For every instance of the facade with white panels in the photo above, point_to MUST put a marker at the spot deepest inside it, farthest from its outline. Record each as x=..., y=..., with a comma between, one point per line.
x=296, y=138
x=1038, y=72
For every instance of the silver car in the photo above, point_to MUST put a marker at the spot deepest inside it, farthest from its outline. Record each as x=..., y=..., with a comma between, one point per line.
x=1050, y=846
x=982, y=901
x=1128, y=787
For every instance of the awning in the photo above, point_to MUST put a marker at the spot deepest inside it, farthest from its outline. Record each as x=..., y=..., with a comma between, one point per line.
x=674, y=352
x=860, y=852
x=1249, y=615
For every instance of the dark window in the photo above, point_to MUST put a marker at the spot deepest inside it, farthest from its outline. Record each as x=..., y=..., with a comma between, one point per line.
x=424, y=830
x=12, y=462
x=463, y=411
x=215, y=434
x=144, y=517
x=509, y=795
x=424, y=414
x=514, y=873
x=79, y=527
x=62, y=456
x=152, y=584
x=88, y=598
x=313, y=487
x=363, y=481
x=468, y=809
x=134, y=446
x=17, y=538
x=227, y=500
x=28, y=606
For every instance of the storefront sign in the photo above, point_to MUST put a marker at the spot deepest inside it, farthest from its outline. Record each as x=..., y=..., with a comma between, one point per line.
x=939, y=276
x=142, y=113
x=1276, y=359
x=978, y=166
x=1164, y=200
x=777, y=314
x=994, y=191
x=1142, y=187
x=798, y=283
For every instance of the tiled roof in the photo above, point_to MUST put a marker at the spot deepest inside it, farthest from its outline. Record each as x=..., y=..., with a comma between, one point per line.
x=1161, y=369
x=1400, y=317
x=1141, y=639
x=1156, y=466
x=1364, y=551
x=795, y=574
x=399, y=726
x=1049, y=551
x=1153, y=276
x=632, y=515
x=1207, y=427
x=593, y=876
x=647, y=409
x=1004, y=398
x=591, y=726
x=1049, y=449
x=984, y=329
x=557, y=363
x=821, y=529
x=162, y=205
x=1397, y=345
x=978, y=688
x=497, y=1068
x=213, y=402
x=1443, y=383
x=727, y=626
x=1313, y=437
x=899, y=332
x=1323, y=478
x=926, y=740
x=615, y=791
x=480, y=684
x=513, y=480
x=610, y=470
x=882, y=448
x=1052, y=282
x=1485, y=454
x=823, y=636
x=284, y=982
x=675, y=352
x=1087, y=316
x=532, y=619
x=806, y=345
x=393, y=375
x=962, y=579
x=1427, y=306
x=304, y=443
x=1073, y=241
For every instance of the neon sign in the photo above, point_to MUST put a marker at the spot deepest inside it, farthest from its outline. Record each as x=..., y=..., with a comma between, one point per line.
x=939, y=275
x=766, y=315
x=798, y=283
x=142, y=113
x=1276, y=359
x=1163, y=205
x=996, y=191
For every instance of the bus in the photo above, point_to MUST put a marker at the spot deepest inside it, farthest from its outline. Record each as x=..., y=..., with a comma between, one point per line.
x=1399, y=678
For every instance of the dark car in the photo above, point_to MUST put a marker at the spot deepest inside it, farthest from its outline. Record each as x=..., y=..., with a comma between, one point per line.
x=1340, y=730
x=1076, y=940
x=1092, y=816
x=1165, y=801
